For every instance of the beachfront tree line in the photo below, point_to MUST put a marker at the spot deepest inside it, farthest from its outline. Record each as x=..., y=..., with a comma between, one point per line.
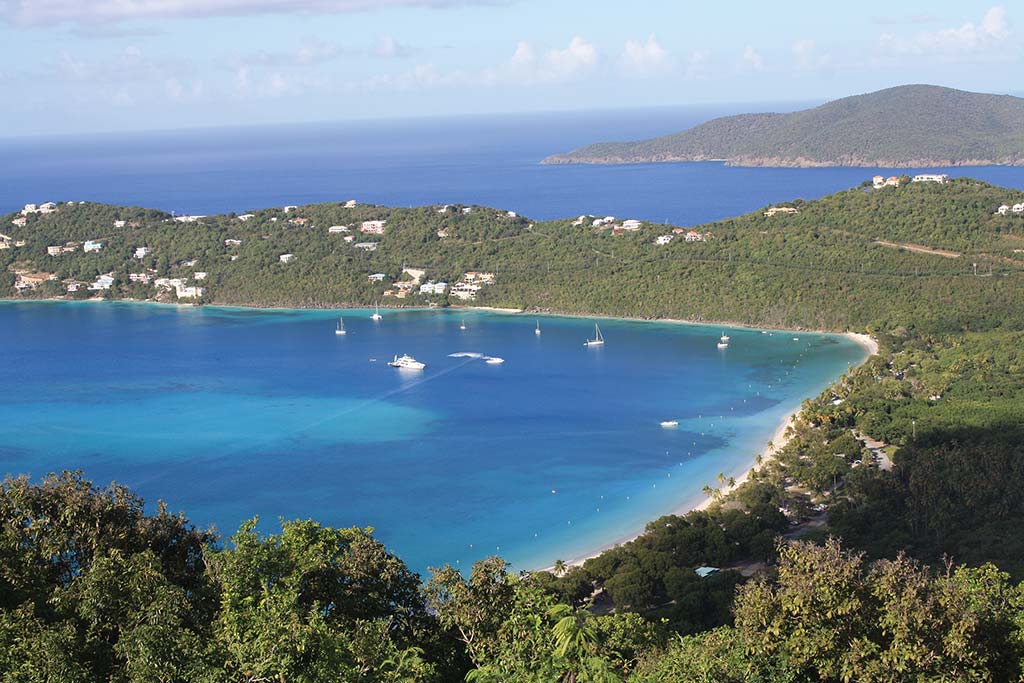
x=94, y=589
x=825, y=267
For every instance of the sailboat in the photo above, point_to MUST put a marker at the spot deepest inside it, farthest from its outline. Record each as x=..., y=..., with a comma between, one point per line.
x=341, y=327
x=462, y=325
x=376, y=313
x=537, y=331
x=598, y=339
x=724, y=338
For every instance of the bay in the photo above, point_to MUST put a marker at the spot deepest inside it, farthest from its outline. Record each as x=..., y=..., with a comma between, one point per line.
x=229, y=413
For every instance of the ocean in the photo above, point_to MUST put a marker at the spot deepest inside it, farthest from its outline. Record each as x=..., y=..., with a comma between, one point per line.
x=490, y=161
x=230, y=413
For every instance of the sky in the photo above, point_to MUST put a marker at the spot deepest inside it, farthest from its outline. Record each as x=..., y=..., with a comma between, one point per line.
x=74, y=66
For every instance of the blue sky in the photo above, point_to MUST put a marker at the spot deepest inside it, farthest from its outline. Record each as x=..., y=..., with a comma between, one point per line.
x=100, y=65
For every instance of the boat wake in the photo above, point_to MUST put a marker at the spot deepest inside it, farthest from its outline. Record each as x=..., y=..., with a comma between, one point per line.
x=466, y=354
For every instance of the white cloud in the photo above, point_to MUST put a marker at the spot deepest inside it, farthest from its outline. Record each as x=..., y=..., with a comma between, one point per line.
x=991, y=32
x=129, y=66
x=644, y=59
x=312, y=51
x=553, y=66
x=388, y=48
x=751, y=60
x=697, y=64
x=29, y=12
x=809, y=58
x=180, y=91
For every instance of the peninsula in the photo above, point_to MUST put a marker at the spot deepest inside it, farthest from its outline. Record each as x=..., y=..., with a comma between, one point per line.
x=909, y=126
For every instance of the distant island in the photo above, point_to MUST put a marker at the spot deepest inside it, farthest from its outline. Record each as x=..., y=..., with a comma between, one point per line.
x=910, y=126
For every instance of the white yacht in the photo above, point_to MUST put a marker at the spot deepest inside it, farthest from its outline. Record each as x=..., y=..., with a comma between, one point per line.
x=537, y=330
x=670, y=423
x=724, y=338
x=407, y=362
x=493, y=360
x=341, y=327
x=598, y=339
x=376, y=313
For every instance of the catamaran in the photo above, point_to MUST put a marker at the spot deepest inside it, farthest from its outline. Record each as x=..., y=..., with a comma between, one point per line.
x=341, y=327
x=376, y=313
x=598, y=339
x=406, y=362
x=537, y=331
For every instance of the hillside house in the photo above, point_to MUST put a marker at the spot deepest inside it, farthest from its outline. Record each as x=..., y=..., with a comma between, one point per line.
x=188, y=219
x=232, y=243
x=1018, y=208
x=694, y=236
x=376, y=277
x=878, y=182
x=350, y=204
x=20, y=221
x=103, y=282
x=246, y=217
x=299, y=221
x=372, y=227
x=144, y=278
x=120, y=224
x=141, y=252
x=289, y=209
x=467, y=209
x=366, y=246
x=465, y=291
x=785, y=210
x=286, y=258
x=931, y=178
x=431, y=287
x=632, y=225
x=579, y=221
x=91, y=246
x=337, y=229
x=28, y=280
x=1003, y=210
x=199, y=275
x=442, y=233
x=482, y=278
x=663, y=239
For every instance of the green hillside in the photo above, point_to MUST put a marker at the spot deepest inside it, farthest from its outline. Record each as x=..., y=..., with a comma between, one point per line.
x=905, y=126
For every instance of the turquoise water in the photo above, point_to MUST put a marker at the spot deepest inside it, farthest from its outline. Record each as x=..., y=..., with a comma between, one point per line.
x=229, y=413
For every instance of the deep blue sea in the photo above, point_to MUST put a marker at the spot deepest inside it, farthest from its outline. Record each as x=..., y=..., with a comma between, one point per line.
x=491, y=161
x=229, y=413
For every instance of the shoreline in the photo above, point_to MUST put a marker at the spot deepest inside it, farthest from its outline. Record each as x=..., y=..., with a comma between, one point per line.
x=778, y=440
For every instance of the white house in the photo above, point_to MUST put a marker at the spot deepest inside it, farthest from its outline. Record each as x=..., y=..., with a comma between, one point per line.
x=931, y=178
x=102, y=282
x=632, y=224
x=232, y=243
x=188, y=219
x=376, y=277
x=366, y=246
x=286, y=258
x=246, y=216
x=55, y=251
x=337, y=229
x=511, y=214
x=120, y=224
x=20, y=221
x=290, y=208
x=189, y=292
x=1002, y=210
x=372, y=227
x=349, y=238
x=467, y=209
x=579, y=221
x=350, y=204
x=199, y=275
x=141, y=252
x=663, y=239
x=433, y=287
x=47, y=207
x=140, y=277
x=1018, y=208
x=694, y=236
x=29, y=208
x=483, y=278
x=465, y=291
x=91, y=245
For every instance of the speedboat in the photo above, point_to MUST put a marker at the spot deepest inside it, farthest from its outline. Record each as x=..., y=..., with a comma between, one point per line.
x=406, y=362
x=494, y=360
x=670, y=423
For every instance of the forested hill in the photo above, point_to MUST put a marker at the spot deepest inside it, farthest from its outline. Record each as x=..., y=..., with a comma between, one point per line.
x=920, y=253
x=902, y=127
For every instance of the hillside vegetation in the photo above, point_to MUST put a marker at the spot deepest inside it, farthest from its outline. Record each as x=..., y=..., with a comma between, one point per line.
x=905, y=126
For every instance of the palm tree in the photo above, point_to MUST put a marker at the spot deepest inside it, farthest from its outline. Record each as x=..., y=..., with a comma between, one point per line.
x=758, y=459
x=732, y=482
x=707, y=490
x=559, y=567
x=721, y=477
x=771, y=446
x=575, y=638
